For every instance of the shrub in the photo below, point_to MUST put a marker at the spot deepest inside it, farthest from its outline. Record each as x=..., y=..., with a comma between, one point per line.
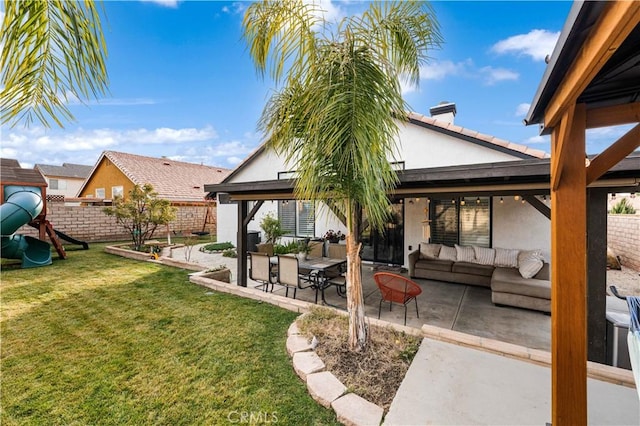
x=217, y=247
x=623, y=207
x=272, y=228
x=230, y=253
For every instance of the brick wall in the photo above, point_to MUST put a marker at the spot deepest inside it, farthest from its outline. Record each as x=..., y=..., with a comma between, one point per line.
x=623, y=237
x=89, y=223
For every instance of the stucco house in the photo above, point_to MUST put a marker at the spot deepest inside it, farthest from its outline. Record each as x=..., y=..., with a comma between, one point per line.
x=457, y=186
x=64, y=180
x=435, y=143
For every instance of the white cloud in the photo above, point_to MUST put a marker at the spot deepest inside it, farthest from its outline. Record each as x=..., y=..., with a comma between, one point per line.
x=236, y=8
x=492, y=75
x=536, y=43
x=440, y=70
x=522, y=109
x=537, y=139
x=234, y=161
x=330, y=11
x=165, y=3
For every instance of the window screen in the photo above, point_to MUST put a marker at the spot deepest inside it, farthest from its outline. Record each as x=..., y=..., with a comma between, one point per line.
x=297, y=217
x=465, y=224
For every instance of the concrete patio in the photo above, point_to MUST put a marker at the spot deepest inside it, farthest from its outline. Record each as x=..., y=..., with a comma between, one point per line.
x=478, y=363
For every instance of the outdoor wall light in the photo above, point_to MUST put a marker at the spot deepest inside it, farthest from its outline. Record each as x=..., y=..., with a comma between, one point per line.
x=453, y=201
x=517, y=197
x=463, y=202
x=613, y=196
x=501, y=200
x=478, y=200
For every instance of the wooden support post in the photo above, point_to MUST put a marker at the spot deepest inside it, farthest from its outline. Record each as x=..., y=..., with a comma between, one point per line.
x=242, y=244
x=597, y=274
x=568, y=280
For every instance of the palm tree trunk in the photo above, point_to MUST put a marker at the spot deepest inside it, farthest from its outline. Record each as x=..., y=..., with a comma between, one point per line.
x=355, y=299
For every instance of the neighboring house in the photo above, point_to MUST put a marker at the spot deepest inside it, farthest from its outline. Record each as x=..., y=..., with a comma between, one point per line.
x=116, y=173
x=64, y=180
x=453, y=216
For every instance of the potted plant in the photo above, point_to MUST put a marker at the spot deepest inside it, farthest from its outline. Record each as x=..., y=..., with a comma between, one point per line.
x=272, y=228
x=333, y=236
x=303, y=249
x=218, y=273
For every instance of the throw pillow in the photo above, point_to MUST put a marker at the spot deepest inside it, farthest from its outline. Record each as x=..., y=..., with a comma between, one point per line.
x=429, y=251
x=506, y=258
x=527, y=254
x=447, y=253
x=484, y=255
x=465, y=253
x=529, y=267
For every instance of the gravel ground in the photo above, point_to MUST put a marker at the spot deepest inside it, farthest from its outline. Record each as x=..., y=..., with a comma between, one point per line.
x=627, y=281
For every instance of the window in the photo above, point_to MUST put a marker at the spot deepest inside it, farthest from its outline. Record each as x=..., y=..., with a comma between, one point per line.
x=57, y=184
x=99, y=192
x=465, y=221
x=117, y=191
x=297, y=217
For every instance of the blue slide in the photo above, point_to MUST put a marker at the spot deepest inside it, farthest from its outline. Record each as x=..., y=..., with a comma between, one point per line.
x=21, y=205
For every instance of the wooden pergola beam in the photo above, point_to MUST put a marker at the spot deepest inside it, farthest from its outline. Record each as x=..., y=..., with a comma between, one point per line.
x=613, y=115
x=569, y=277
x=618, y=19
x=613, y=154
x=560, y=152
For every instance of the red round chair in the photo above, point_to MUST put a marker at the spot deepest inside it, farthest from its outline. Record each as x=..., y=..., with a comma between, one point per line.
x=396, y=289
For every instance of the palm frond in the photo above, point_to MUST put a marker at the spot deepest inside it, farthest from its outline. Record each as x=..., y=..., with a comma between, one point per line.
x=52, y=50
x=404, y=32
x=280, y=34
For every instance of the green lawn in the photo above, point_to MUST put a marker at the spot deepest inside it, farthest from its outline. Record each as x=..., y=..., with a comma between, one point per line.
x=98, y=339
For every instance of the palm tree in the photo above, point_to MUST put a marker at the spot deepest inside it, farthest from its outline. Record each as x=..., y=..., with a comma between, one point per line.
x=334, y=119
x=53, y=52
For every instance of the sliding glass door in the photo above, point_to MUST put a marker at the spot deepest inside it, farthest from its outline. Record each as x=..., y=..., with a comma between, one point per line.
x=386, y=246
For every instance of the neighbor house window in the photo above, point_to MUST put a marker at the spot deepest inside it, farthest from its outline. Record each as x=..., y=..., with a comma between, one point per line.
x=462, y=220
x=297, y=217
x=117, y=191
x=57, y=184
x=100, y=193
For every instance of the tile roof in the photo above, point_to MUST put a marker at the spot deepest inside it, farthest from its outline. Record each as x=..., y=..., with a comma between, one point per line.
x=68, y=170
x=173, y=180
x=493, y=142
x=11, y=171
x=477, y=137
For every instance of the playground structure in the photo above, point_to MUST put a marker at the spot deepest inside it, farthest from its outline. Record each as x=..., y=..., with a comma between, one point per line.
x=23, y=200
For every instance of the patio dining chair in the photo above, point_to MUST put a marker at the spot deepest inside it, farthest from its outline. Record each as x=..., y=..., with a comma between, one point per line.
x=397, y=289
x=288, y=274
x=261, y=270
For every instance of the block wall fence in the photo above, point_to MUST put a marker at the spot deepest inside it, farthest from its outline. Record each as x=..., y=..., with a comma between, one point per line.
x=623, y=237
x=90, y=224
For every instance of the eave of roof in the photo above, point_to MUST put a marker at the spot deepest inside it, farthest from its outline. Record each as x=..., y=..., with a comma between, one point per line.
x=492, y=142
x=617, y=82
x=500, y=174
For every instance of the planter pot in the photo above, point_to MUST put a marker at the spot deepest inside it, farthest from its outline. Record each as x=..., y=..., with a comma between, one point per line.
x=223, y=275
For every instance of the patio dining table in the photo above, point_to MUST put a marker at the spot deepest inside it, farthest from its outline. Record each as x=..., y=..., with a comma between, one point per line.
x=316, y=268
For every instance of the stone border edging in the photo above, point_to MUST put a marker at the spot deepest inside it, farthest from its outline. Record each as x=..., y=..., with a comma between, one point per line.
x=164, y=260
x=324, y=387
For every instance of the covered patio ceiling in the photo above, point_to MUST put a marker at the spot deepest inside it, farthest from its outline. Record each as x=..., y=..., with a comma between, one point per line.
x=504, y=178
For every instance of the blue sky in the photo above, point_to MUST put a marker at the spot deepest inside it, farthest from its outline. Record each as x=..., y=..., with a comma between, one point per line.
x=182, y=84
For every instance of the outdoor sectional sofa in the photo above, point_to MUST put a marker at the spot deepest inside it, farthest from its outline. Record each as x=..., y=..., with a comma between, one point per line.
x=517, y=278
